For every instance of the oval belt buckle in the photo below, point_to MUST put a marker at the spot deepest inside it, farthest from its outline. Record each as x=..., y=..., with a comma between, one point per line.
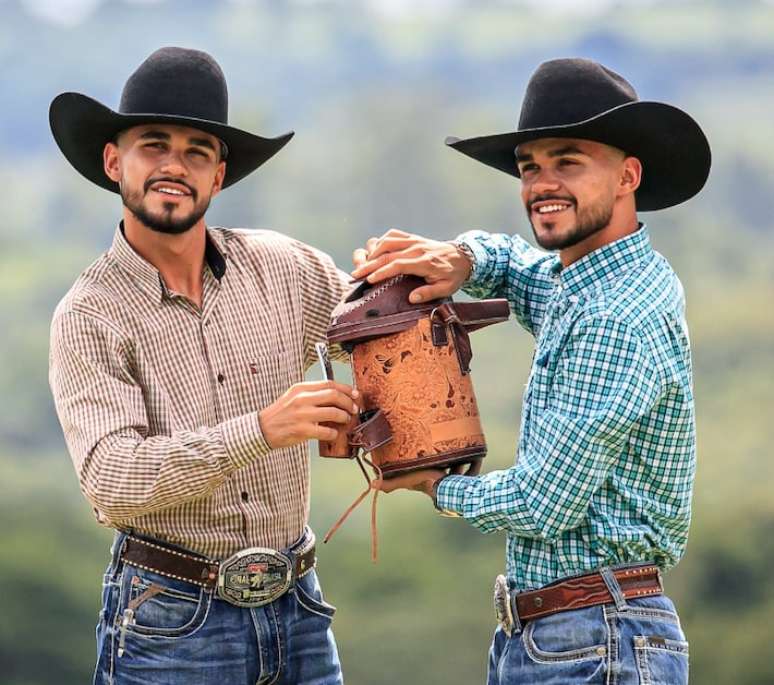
x=253, y=577
x=502, y=604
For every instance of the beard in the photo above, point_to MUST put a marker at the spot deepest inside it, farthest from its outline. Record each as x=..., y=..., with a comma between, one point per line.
x=590, y=220
x=164, y=221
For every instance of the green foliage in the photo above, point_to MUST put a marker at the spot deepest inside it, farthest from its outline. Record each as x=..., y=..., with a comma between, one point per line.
x=371, y=98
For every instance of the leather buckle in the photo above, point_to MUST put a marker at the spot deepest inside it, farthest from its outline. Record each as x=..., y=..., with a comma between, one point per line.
x=255, y=576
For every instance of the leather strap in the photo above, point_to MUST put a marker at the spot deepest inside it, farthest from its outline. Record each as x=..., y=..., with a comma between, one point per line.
x=474, y=315
x=462, y=318
x=586, y=591
x=191, y=568
x=371, y=433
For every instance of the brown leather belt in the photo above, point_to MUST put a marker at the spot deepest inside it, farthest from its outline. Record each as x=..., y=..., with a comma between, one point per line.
x=576, y=593
x=586, y=591
x=248, y=569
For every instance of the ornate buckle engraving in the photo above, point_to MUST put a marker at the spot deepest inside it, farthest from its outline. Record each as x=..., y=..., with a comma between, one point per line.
x=254, y=577
x=502, y=605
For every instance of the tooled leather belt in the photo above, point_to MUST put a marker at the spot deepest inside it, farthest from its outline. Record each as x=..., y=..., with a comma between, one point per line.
x=252, y=577
x=577, y=593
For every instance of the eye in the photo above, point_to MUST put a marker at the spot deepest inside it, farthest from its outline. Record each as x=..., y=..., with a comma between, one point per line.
x=567, y=162
x=526, y=168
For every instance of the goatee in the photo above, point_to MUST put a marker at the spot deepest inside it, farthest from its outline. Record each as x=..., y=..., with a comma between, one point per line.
x=165, y=222
x=589, y=222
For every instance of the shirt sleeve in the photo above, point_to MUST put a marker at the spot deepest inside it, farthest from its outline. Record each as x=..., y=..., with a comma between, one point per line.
x=322, y=287
x=606, y=382
x=123, y=471
x=508, y=266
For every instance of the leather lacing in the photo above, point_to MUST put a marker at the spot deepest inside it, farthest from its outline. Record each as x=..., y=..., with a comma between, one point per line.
x=372, y=484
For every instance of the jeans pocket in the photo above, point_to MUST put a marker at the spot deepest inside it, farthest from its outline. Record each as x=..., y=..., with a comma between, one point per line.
x=153, y=605
x=661, y=661
x=578, y=635
x=309, y=595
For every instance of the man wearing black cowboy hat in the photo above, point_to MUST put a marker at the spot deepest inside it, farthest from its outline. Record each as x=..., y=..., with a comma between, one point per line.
x=598, y=501
x=177, y=362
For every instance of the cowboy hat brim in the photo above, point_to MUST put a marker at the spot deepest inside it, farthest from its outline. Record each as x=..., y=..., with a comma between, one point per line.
x=672, y=148
x=82, y=126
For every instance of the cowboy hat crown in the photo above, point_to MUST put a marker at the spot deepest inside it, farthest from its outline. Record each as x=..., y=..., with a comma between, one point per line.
x=580, y=98
x=173, y=85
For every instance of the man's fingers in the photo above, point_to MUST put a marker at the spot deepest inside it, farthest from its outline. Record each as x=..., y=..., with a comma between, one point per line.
x=474, y=468
x=387, y=245
x=431, y=292
x=313, y=386
x=331, y=397
x=317, y=432
x=359, y=257
x=330, y=415
x=387, y=485
x=399, y=265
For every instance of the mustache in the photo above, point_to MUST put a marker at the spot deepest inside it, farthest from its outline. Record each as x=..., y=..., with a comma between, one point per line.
x=169, y=179
x=543, y=198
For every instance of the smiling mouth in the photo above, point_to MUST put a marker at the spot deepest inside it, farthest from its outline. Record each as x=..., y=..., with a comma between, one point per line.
x=549, y=208
x=171, y=188
x=170, y=191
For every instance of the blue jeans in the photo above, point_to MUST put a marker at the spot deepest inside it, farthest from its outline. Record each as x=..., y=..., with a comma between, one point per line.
x=629, y=642
x=187, y=635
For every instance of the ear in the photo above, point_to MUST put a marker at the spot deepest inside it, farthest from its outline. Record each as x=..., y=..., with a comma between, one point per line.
x=631, y=176
x=220, y=174
x=111, y=162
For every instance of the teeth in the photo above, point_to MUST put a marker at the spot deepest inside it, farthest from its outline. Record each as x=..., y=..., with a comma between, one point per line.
x=170, y=191
x=545, y=209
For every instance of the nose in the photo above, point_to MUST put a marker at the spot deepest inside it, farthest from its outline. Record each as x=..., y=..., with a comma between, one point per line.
x=544, y=182
x=173, y=165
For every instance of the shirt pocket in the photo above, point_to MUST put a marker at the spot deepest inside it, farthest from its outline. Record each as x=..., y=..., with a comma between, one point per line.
x=261, y=380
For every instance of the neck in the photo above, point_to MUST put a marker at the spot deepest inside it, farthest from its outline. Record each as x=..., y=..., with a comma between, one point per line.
x=178, y=258
x=621, y=224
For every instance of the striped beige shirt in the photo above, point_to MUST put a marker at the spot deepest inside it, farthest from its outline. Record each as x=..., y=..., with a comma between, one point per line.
x=159, y=400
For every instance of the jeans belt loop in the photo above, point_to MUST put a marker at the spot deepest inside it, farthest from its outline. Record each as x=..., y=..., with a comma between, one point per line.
x=613, y=587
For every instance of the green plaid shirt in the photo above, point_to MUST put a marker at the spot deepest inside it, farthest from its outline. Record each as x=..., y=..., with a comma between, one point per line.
x=606, y=454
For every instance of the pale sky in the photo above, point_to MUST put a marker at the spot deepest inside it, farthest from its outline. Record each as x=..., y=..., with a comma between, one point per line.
x=71, y=12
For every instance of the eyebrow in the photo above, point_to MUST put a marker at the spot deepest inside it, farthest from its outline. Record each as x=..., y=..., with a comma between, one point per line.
x=558, y=152
x=160, y=135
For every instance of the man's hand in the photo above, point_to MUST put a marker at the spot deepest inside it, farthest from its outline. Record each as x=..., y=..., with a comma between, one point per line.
x=425, y=480
x=441, y=264
x=297, y=415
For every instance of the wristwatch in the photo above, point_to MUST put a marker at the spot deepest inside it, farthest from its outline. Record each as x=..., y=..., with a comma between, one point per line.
x=466, y=252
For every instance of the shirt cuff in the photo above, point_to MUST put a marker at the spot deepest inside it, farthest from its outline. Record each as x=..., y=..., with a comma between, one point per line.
x=243, y=440
x=480, y=256
x=452, y=491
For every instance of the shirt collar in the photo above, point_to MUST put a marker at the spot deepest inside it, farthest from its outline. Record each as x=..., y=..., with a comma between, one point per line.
x=147, y=277
x=613, y=258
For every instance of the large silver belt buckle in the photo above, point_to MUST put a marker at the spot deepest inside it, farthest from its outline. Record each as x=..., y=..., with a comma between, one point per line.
x=502, y=605
x=254, y=577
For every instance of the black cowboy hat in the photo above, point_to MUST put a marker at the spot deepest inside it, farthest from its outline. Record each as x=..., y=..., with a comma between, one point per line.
x=579, y=98
x=173, y=86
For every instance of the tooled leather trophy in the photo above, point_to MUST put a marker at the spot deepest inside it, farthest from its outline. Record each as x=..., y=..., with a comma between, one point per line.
x=411, y=366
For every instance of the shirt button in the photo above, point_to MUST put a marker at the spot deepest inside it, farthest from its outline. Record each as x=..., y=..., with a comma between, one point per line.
x=221, y=378
x=245, y=496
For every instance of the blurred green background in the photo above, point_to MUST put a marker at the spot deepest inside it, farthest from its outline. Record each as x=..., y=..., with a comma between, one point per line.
x=372, y=88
